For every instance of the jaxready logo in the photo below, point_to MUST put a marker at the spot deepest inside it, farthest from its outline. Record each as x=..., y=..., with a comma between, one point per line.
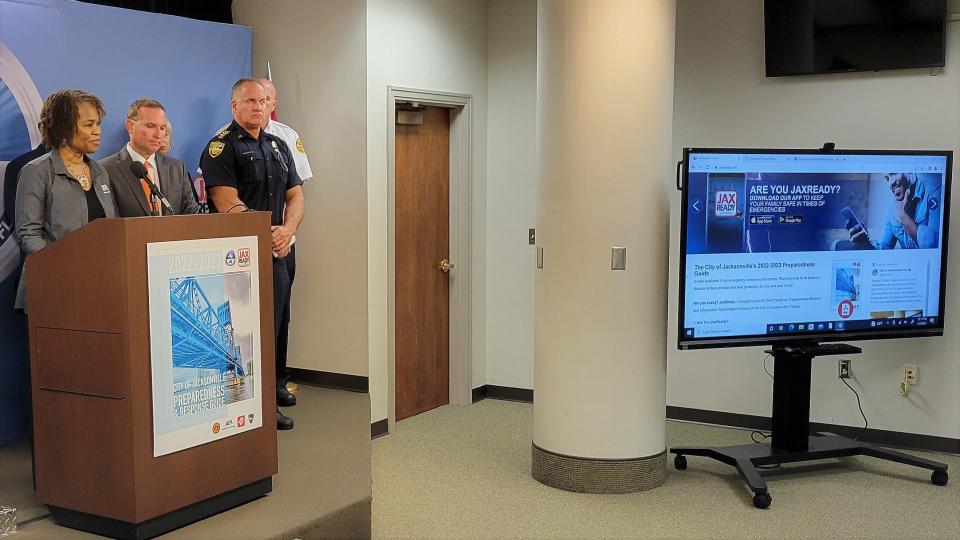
x=231, y=258
x=725, y=203
x=215, y=428
x=243, y=256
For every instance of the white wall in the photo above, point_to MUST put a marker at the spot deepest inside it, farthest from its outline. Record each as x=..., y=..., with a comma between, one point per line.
x=317, y=52
x=511, y=191
x=332, y=62
x=432, y=45
x=722, y=99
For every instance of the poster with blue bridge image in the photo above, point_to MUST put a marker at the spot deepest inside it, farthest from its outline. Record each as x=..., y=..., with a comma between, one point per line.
x=204, y=340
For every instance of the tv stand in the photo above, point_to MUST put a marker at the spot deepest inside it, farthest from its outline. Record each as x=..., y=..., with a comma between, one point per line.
x=791, y=441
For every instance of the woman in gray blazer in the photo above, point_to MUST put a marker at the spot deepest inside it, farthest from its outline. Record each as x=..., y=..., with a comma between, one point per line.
x=65, y=189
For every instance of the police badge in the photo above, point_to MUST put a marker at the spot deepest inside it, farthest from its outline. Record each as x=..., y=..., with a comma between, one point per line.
x=215, y=148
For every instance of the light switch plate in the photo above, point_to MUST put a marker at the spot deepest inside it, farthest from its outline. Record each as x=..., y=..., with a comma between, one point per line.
x=618, y=259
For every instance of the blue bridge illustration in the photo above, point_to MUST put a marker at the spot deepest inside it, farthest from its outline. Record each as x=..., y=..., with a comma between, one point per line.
x=202, y=333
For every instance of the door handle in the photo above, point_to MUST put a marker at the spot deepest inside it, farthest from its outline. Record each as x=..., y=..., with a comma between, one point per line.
x=445, y=266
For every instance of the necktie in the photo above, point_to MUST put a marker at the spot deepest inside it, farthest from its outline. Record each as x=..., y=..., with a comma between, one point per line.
x=151, y=204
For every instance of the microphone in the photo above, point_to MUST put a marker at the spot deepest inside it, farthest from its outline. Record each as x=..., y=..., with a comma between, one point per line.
x=140, y=172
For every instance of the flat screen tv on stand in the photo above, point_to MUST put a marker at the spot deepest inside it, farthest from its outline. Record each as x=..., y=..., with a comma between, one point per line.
x=795, y=249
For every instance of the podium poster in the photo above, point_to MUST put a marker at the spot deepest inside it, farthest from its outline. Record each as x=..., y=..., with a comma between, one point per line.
x=204, y=299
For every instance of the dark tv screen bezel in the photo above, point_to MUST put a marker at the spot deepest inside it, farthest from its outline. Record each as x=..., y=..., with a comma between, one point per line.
x=817, y=336
x=939, y=62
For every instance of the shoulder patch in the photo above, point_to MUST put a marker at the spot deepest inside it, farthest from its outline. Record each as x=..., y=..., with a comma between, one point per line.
x=223, y=133
x=215, y=148
x=300, y=146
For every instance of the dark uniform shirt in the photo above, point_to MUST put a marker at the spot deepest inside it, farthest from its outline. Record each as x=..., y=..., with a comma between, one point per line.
x=261, y=170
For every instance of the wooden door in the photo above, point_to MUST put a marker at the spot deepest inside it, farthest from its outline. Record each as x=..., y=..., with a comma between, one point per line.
x=422, y=242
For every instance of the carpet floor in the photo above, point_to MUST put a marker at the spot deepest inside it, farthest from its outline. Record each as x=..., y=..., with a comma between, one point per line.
x=464, y=472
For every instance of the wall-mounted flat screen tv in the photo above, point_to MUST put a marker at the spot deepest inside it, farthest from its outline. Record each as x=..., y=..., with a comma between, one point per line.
x=805, y=37
x=787, y=246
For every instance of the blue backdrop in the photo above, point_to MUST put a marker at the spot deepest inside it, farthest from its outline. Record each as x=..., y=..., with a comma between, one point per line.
x=120, y=55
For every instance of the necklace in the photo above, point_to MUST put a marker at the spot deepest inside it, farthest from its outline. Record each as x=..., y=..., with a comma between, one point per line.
x=81, y=175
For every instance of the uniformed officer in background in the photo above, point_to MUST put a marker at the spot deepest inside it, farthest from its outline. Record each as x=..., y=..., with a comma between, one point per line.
x=285, y=132
x=245, y=167
x=292, y=138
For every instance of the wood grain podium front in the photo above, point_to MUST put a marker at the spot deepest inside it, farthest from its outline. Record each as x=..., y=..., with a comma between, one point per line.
x=92, y=396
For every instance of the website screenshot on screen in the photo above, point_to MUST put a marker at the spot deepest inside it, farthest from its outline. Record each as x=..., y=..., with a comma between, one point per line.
x=794, y=243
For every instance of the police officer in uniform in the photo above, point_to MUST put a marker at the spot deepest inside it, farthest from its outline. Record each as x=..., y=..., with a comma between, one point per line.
x=245, y=167
x=292, y=138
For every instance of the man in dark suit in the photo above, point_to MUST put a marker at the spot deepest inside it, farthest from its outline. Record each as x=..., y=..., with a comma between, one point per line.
x=10, y=179
x=147, y=123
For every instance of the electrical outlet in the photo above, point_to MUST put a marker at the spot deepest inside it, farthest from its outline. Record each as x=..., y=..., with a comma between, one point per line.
x=911, y=373
x=843, y=369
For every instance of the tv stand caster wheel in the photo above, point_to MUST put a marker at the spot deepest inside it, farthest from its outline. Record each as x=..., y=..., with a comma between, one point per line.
x=939, y=478
x=762, y=500
x=680, y=462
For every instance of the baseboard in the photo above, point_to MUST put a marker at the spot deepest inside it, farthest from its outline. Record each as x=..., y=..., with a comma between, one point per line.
x=378, y=428
x=326, y=379
x=745, y=421
x=505, y=393
x=882, y=437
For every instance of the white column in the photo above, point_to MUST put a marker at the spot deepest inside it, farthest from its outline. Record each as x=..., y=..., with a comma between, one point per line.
x=605, y=113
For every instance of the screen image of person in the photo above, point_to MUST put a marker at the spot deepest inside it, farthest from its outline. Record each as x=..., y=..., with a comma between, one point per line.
x=913, y=216
x=64, y=189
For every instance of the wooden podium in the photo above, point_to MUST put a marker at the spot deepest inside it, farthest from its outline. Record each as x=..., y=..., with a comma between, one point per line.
x=92, y=394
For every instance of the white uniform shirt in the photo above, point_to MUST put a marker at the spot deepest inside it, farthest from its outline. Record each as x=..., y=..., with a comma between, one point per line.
x=290, y=136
